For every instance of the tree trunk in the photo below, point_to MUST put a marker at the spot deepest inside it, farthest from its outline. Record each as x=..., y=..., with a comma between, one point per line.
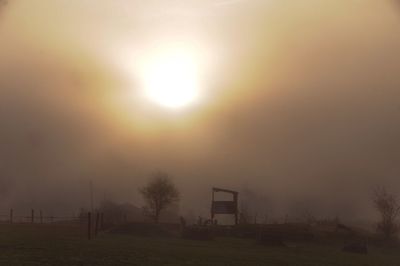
x=157, y=216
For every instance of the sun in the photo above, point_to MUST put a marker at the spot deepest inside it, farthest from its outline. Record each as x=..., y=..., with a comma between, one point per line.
x=171, y=79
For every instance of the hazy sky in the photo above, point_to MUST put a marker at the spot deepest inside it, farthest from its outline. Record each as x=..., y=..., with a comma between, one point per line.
x=300, y=100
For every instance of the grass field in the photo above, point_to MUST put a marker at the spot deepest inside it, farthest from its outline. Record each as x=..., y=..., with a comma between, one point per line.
x=61, y=245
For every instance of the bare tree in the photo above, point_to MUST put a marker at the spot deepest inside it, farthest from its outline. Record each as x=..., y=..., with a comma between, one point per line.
x=158, y=194
x=389, y=210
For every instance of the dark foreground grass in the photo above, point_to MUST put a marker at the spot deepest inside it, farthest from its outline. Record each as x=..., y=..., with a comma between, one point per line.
x=62, y=245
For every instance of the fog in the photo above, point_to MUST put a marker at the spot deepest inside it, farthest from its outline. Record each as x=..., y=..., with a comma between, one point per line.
x=301, y=103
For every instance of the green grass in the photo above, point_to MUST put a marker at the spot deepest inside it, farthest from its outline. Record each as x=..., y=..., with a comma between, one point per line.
x=66, y=245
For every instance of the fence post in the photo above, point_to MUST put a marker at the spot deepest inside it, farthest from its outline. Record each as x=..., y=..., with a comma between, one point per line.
x=33, y=216
x=97, y=224
x=102, y=221
x=11, y=215
x=41, y=216
x=89, y=231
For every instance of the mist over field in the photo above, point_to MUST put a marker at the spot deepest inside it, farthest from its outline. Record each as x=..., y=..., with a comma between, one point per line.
x=301, y=106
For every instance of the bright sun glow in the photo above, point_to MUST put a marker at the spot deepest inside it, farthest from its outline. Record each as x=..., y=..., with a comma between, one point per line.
x=171, y=79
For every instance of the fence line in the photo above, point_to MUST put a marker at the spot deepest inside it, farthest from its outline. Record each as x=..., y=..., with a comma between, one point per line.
x=37, y=217
x=94, y=221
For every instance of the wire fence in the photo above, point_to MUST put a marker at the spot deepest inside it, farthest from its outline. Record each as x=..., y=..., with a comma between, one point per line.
x=92, y=223
x=35, y=217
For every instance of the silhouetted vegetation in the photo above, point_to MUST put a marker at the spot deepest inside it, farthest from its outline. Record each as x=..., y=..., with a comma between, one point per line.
x=356, y=247
x=116, y=213
x=158, y=194
x=197, y=232
x=389, y=209
x=147, y=229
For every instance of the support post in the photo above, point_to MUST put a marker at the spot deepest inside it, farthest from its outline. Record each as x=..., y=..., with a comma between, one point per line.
x=89, y=229
x=11, y=215
x=97, y=224
x=235, y=199
x=41, y=216
x=212, y=206
x=33, y=216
